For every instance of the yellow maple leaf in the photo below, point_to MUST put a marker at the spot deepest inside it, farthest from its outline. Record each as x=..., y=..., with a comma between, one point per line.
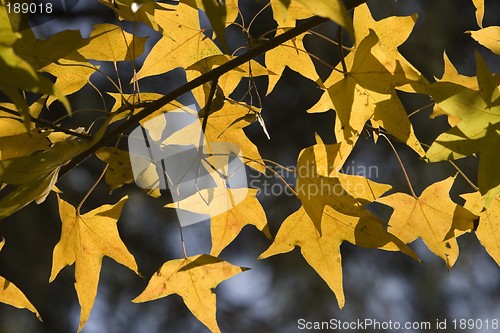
x=10, y=294
x=194, y=279
x=183, y=42
x=375, y=70
x=85, y=240
x=226, y=82
x=368, y=92
x=291, y=54
x=226, y=125
x=488, y=230
x=286, y=12
x=322, y=251
x=72, y=72
x=332, y=9
x=488, y=37
x=109, y=42
x=226, y=226
x=451, y=74
x=479, y=4
x=319, y=186
x=331, y=214
x=430, y=217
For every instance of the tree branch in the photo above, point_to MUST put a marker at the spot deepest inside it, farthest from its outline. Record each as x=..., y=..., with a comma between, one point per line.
x=204, y=78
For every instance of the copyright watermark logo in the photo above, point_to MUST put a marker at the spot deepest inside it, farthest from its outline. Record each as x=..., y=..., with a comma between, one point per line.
x=38, y=11
x=171, y=152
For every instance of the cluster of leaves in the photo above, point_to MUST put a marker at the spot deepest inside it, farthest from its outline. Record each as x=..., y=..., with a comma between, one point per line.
x=362, y=89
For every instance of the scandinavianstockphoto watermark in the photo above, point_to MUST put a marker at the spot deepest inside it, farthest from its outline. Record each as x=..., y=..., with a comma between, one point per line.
x=205, y=179
x=283, y=180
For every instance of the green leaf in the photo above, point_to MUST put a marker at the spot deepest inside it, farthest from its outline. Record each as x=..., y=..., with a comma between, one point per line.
x=33, y=177
x=478, y=130
x=7, y=34
x=22, y=76
x=40, y=53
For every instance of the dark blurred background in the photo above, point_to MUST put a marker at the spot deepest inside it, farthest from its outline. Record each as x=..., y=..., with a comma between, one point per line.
x=278, y=291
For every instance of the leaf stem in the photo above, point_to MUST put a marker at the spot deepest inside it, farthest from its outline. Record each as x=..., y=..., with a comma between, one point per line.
x=330, y=40
x=460, y=171
x=421, y=109
x=340, y=37
x=92, y=188
x=182, y=241
x=467, y=179
x=400, y=164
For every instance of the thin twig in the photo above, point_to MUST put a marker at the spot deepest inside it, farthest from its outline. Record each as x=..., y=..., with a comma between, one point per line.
x=330, y=40
x=92, y=189
x=460, y=171
x=315, y=57
x=182, y=241
x=400, y=164
x=420, y=109
x=256, y=15
x=467, y=179
x=340, y=37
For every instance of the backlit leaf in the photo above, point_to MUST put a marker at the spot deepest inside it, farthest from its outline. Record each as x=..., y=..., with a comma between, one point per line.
x=109, y=42
x=488, y=230
x=10, y=294
x=488, y=37
x=194, y=279
x=183, y=42
x=322, y=252
x=375, y=71
x=430, y=217
x=291, y=54
x=478, y=129
x=85, y=240
x=332, y=9
x=479, y=4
